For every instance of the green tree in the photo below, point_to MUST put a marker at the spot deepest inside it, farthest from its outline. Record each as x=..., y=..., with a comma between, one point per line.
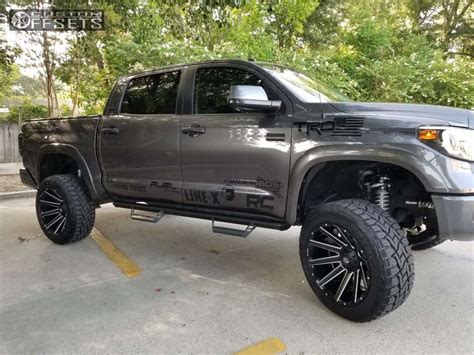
x=448, y=23
x=374, y=50
x=8, y=70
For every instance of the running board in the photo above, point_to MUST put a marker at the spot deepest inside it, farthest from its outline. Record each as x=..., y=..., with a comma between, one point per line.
x=143, y=217
x=243, y=233
x=218, y=215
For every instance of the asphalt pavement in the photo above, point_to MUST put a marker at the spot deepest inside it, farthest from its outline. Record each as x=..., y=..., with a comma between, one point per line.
x=196, y=292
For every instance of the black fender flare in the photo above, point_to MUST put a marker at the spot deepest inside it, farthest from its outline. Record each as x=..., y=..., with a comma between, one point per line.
x=72, y=152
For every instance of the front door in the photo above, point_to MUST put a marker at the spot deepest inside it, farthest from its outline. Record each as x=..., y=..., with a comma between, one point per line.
x=139, y=146
x=233, y=159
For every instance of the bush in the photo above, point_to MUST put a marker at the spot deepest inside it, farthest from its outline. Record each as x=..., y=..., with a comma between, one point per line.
x=28, y=110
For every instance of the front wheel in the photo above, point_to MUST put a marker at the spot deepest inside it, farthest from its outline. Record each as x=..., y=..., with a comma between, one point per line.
x=64, y=209
x=356, y=259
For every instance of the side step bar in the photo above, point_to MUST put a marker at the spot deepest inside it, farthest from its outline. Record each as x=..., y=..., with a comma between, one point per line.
x=236, y=217
x=152, y=218
x=243, y=233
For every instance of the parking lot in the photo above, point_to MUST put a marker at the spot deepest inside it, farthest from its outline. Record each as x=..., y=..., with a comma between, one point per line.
x=197, y=292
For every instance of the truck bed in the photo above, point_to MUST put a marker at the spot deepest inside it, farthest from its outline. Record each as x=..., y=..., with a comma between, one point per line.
x=75, y=135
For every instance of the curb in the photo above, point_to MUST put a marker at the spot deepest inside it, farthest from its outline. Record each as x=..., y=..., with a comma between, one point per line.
x=17, y=194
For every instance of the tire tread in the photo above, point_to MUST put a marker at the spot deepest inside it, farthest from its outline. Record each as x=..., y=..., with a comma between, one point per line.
x=391, y=246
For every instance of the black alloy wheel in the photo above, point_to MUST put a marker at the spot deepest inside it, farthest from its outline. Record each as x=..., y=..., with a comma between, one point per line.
x=356, y=259
x=339, y=264
x=64, y=209
x=52, y=211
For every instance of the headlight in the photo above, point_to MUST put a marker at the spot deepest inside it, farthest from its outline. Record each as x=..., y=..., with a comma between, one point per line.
x=455, y=142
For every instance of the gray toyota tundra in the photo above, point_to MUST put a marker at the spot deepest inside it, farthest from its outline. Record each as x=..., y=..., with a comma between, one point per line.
x=246, y=145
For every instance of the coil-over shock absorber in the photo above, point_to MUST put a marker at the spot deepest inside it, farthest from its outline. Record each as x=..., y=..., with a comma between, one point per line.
x=380, y=193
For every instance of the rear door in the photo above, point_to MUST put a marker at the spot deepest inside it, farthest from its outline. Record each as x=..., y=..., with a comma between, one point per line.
x=139, y=144
x=233, y=159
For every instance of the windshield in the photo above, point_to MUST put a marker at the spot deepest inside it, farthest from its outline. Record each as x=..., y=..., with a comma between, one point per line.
x=305, y=88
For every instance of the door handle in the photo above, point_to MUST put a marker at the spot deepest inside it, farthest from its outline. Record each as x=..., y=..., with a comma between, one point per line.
x=193, y=130
x=110, y=130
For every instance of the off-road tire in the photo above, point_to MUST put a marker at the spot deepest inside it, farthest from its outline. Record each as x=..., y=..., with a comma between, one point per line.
x=386, y=253
x=76, y=208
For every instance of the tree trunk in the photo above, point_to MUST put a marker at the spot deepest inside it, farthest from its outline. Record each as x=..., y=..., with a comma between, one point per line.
x=47, y=53
x=75, y=98
x=57, y=109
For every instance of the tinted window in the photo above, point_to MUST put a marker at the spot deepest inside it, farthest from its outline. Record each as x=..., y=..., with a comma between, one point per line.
x=306, y=88
x=153, y=94
x=212, y=86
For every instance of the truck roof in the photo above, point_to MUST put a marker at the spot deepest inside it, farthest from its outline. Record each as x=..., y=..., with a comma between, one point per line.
x=184, y=65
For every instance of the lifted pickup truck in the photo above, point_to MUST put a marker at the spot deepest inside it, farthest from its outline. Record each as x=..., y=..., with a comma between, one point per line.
x=262, y=145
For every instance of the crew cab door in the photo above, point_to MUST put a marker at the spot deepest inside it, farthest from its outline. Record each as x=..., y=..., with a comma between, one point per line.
x=138, y=143
x=233, y=159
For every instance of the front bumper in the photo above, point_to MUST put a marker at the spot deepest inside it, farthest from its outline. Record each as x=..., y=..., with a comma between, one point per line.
x=455, y=216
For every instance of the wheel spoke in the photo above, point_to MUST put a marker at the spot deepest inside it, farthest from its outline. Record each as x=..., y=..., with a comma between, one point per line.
x=53, y=196
x=363, y=279
x=325, y=246
x=356, y=285
x=362, y=257
x=326, y=260
x=50, y=213
x=343, y=285
x=344, y=237
x=331, y=276
x=50, y=203
x=54, y=221
x=333, y=237
x=59, y=225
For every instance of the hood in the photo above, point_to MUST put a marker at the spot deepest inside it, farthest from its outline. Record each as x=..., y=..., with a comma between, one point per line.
x=420, y=114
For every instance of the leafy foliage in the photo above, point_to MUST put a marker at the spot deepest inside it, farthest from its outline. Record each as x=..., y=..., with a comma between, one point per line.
x=8, y=70
x=27, y=111
x=416, y=51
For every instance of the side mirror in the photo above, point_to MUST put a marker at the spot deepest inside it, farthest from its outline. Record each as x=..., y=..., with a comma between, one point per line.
x=251, y=98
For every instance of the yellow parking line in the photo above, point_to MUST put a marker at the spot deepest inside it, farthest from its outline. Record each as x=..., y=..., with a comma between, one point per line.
x=127, y=266
x=268, y=346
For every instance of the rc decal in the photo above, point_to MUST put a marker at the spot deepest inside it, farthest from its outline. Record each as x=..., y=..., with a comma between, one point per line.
x=262, y=202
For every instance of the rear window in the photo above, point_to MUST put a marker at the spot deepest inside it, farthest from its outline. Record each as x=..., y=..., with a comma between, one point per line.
x=152, y=94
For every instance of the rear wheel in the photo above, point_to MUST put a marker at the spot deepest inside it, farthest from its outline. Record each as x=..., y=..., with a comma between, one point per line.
x=356, y=259
x=64, y=209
